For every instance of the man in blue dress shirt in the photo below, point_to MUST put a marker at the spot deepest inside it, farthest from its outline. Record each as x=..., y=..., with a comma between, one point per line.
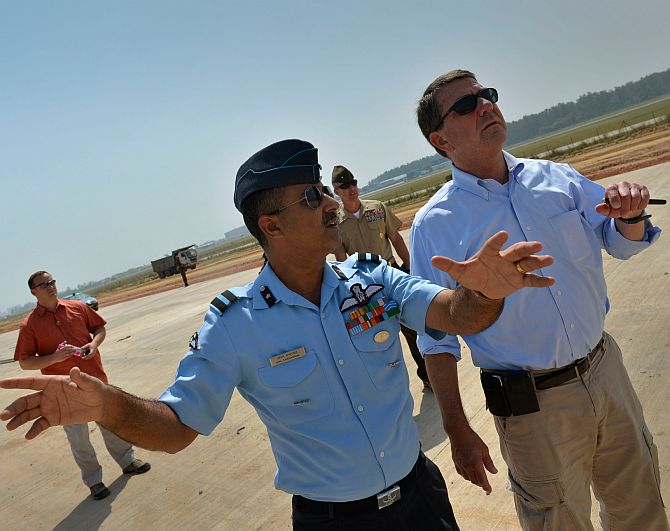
x=314, y=347
x=578, y=422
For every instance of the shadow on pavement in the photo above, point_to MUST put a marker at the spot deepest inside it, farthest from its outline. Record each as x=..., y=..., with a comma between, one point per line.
x=90, y=513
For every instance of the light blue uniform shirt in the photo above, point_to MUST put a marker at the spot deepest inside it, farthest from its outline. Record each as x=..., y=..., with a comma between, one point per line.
x=539, y=328
x=339, y=417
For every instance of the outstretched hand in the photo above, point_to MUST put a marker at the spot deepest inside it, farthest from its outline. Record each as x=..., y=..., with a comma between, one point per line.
x=495, y=273
x=59, y=400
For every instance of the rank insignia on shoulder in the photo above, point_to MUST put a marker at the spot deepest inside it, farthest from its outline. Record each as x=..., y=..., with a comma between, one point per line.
x=360, y=295
x=369, y=257
x=223, y=301
x=193, y=342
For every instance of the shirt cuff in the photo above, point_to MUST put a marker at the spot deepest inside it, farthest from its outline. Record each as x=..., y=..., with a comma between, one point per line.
x=621, y=247
x=415, y=308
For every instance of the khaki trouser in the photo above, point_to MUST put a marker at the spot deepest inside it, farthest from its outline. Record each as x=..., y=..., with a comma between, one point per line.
x=589, y=431
x=84, y=453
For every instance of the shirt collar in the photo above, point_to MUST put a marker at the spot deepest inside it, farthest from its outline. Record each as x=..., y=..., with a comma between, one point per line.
x=514, y=165
x=345, y=270
x=268, y=278
x=41, y=310
x=345, y=214
x=473, y=184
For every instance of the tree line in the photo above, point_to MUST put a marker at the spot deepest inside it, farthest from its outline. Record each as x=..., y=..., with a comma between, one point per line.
x=589, y=106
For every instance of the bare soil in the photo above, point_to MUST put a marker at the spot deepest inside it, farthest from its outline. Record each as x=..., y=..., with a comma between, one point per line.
x=637, y=150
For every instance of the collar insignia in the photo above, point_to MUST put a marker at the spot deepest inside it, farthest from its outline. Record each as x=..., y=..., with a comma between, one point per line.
x=268, y=297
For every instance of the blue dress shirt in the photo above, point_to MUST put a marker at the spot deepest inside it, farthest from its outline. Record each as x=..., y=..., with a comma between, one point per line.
x=539, y=328
x=336, y=402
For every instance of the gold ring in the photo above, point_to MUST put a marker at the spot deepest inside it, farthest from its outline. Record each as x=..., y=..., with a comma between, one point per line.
x=520, y=269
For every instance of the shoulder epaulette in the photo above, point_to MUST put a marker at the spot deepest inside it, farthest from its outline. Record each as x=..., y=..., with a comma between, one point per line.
x=369, y=257
x=223, y=301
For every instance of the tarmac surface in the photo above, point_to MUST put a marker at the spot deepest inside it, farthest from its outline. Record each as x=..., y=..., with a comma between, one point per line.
x=225, y=481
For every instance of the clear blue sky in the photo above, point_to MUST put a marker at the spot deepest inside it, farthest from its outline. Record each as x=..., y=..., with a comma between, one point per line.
x=123, y=123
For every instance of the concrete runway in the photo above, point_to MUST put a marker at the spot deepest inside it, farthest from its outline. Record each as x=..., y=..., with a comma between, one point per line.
x=225, y=481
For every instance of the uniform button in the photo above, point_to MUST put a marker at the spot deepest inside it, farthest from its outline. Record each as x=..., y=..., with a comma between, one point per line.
x=341, y=362
x=559, y=292
x=572, y=325
x=528, y=227
x=360, y=408
x=381, y=454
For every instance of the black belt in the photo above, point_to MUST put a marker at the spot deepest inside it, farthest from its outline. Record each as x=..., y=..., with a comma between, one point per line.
x=376, y=502
x=556, y=377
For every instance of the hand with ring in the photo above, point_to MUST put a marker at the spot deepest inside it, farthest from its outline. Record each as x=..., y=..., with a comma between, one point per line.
x=494, y=272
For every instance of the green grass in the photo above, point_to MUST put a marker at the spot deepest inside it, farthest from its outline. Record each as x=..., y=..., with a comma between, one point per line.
x=593, y=128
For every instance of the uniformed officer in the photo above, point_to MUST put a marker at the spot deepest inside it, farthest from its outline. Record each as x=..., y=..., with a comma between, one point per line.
x=314, y=348
x=368, y=225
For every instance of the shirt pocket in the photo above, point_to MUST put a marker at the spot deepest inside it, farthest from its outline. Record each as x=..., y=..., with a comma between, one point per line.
x=570, y=232
x=296, y=391
x=376, y=230
x=379, y=349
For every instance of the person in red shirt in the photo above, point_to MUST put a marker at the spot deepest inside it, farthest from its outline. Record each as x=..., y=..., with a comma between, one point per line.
x=56, y=336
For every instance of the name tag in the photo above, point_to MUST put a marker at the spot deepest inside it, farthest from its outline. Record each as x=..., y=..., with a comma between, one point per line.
x=287, y=356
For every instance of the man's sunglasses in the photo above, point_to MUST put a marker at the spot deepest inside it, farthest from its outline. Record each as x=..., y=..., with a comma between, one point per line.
x=46, y=284
x=346, y=186
x=313, y=196
x=467, y=104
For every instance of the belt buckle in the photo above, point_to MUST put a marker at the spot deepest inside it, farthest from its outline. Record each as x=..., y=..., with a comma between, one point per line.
x=388, y=497
x=583, y=366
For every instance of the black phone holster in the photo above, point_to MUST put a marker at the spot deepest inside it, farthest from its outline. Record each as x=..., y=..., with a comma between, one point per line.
x=509, y=393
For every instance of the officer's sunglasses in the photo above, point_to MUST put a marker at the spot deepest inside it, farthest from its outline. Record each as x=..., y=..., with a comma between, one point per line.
x=313, y=196
x=346, y=186
x=467, y=104
x=46, y=284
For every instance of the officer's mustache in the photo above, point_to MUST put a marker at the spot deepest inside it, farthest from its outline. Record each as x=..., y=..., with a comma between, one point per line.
x=328, y=217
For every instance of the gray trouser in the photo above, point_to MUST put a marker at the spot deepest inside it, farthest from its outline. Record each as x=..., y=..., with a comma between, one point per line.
x=84, y=453
x=589, y=432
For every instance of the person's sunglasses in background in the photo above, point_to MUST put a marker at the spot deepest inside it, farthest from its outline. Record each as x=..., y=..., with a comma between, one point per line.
x=467, y=104
x=346, y=186
x=313, y=196
x=46, y=284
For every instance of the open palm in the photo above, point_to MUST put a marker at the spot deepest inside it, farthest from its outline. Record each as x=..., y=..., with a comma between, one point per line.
x=496, y=273
x=60, y=400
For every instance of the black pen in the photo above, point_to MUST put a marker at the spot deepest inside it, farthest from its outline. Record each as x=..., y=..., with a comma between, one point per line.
x=651, y=201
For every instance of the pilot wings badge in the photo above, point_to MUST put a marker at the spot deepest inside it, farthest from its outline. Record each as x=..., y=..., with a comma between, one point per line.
x=360, y=295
